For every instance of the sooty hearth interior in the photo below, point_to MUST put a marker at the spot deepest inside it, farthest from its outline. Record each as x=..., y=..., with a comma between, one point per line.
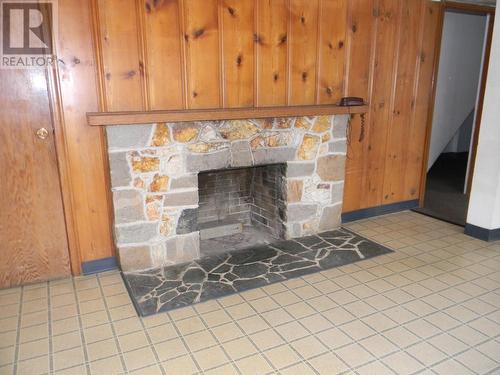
x=241, y=207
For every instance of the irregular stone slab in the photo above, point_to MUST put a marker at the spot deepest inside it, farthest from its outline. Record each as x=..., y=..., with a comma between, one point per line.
x=135, y=257
x=183, y=182
x=241, y=155
x=119, y=169
x=340, y=126
x=238, y=129
x=300, y=211
x=205, y=162
x=185, y=132
x=248, y=271
x=338, y=146
x=299, y=169
x=161, y=135
x=128, y=136
x=128, y=205
x=194, y=275
x=294, y=191
x=309, y=147
x=136, y=233
x=272, y=156
x=188, y=221
x=322, y=124
x=183, y=198
x=330, y=217
x=331, y=167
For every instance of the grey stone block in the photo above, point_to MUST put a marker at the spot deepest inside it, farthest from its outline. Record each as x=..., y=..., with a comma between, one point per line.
x=188, y=221
x=128, y=206
x=299, y=169
x=273, y=155
x=135, y=258
x=183, y=198
x=210, y=161
x=135, y=233
x=299, y=212
x=338, y=146
x=119, y=169
x=183, y=248
x=330, y=217
x=183, y=182
x=340, y=126
x=128, y=136
x=337, y=193
x=241, y=154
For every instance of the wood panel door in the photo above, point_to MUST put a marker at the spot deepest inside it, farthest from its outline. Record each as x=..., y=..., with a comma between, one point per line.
x=33, y=243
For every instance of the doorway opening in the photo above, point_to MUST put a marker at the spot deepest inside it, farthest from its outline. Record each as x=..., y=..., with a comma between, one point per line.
x=461, y=73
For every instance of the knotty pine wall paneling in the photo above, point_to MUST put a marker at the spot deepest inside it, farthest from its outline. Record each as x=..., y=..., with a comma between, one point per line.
x=135, y=55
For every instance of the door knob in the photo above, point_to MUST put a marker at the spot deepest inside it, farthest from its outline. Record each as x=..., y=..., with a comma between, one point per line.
x=42, y=133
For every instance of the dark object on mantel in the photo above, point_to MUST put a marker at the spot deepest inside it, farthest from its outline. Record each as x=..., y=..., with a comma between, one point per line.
x=351, y=101
x=214, y=276
x=149, y=117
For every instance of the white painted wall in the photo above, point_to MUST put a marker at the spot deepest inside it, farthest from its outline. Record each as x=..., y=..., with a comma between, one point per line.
x=484, y=204
x=458, y=77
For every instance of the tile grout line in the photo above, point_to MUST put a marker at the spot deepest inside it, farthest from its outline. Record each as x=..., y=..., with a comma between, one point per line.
x=18, y=333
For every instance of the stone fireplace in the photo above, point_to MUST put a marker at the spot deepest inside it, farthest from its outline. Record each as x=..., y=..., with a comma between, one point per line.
x=184, y=190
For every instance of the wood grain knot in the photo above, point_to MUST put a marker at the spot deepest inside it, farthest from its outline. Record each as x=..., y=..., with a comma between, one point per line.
x=303, y=20
x=231, y=11
x=257, y=38
x=76, y=60
x=239, y=60
x=283, y=39
x=198, y=33
x=341, y=44
x=130, y=74
x=275, y=77
x=108, y=76
x=304, y=76
x=195, y=94
x=354, y=28
x=329, y=91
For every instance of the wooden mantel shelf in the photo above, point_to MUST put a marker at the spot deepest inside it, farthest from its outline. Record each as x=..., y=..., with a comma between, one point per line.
x=148, y=117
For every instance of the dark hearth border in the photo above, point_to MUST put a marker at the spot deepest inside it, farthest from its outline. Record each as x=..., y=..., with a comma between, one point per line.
x=180, y=285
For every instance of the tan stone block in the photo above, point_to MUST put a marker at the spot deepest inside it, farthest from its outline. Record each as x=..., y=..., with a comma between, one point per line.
x=166, y=225
x=144, y=163
x=135, y=258
x=326, y=137
x=294, y=190
x=185, y=132
x=331, y=167
x=257, y=142
x=153, y=211
x=280, y=139
x=302, y=123
x=238, y=129
x=153, y=198
x=321, y=124
x=309, y=147
x=159, y=183
x=203, y=147
x=283, y=123
x=330, y=217
x=139, y=183
x=161, y=135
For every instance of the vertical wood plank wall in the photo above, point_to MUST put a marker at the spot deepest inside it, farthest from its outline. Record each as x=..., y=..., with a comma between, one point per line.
x=182, y=54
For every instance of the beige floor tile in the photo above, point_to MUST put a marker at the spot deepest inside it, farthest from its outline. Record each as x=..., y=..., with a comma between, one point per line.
x=7, y=355
x=227, y=332
x=402, y=363
x=210, y=358
x=92, y=306
x=401, y=337
x=208, y=306
x=68, y=358
x=232, y=300
x=199, y=340
x=139, y=358
x=378, y=345
x=291, y=331
x=254, y=365
x=150, y=370
x=133, y=341
x=36, y=318
x=180, y=365
x=300, y=310
x=223, y=370
x=357, y=330
x=122, y=312
x=374, y=368
x=239, y=348
x=298, y=369
x=94, y=319
x=308, y=347
x=468, y=335
x=109, y=366
x=8, y=338
x=215, y=318
x=252, y=324
x=34, y=349
x=102, y=349
x=354, y=355
x=306, y=292
x=451, y=367
x=322, y=303
x=98, y=333
x=327, y=364
x=286, y=298
x=65, y=325
x=240, y=311
x=63, y=300
x=33, y=333
x=33, y=366
x=67, y=341
x=63, y=312
x=426, y=353
x=277, y=317
x=190, y=325
x=170, y=349
x=262, y=305
x=338, y=316
x=334, y=338
x=77, y=370
x=161, y=333
x=8, y=324
x=122, y=327
x=476, y=361
x=282, y=356
x=266, y=339
x=155, y=320
x=422, y=328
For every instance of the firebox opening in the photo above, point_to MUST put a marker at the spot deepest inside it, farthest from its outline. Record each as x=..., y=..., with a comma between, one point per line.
x=240, y=208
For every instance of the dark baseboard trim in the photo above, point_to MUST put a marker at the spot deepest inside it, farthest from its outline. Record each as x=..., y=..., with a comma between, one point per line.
x=99, y=265
x=482, y=233
x=379, y=210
